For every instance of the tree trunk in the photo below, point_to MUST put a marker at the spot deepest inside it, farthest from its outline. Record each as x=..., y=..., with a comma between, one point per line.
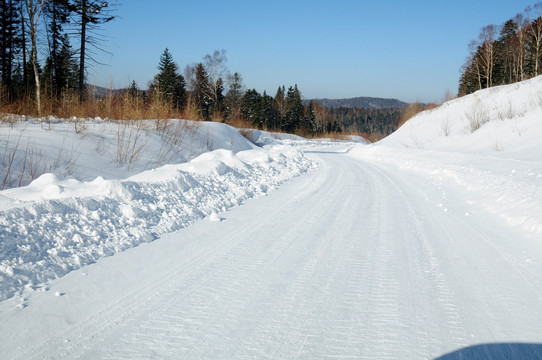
x=82, y=54
x=34, y=11
x=23, y=32
x=36, y=72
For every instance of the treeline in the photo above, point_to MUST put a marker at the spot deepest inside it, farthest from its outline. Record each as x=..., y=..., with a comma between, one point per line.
x=52, y=81
x=504, y=54
x=207, y=91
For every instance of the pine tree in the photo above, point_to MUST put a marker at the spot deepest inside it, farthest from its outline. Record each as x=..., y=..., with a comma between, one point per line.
x=251, y=108
x=281, y=104
x=90, y=14
x=504, y=71
x=294, y=110
x=59, y=60
x=270, y=112
x=218, y=98
x=310, y=119
x=10, y=39
x=168, y=83
x=133, y=90
x=202, y=95
x=234, y=96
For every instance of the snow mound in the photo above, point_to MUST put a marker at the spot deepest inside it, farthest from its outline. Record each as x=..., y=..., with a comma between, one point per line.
x=53, y=225
x=502, y=120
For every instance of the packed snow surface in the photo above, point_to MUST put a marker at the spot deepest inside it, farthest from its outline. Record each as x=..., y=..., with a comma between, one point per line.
x=426, y=245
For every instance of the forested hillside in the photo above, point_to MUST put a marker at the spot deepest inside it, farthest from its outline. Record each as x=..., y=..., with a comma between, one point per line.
x=375, y=122
x=504, y=54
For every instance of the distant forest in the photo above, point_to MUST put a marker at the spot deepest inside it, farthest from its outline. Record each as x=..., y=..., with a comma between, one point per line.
x=361, y=103
x=375, y=122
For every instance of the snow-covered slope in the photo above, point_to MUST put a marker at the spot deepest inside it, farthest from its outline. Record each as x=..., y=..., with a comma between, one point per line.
x=86, y=148
x=488, y=145
x=504, y=121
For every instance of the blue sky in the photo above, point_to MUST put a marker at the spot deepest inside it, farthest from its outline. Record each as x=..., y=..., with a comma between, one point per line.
x=411, y=51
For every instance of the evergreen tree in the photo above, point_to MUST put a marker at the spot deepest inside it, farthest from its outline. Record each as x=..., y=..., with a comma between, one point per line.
x=251, y=108
x=294, y=110
x=218, y=98
x=168, y=83
x=234, y=96
x=269, y=112
x=310, y=119
x=202, y=96
x=10, y=39
x=504, y=71
x=90, y=14
x=281, y=104
x=61, y=74
x=133, y=90
x=472, y=77
x=59, y=60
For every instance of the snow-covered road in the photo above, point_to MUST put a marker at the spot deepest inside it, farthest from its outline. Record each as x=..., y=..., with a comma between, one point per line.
x=354, y=260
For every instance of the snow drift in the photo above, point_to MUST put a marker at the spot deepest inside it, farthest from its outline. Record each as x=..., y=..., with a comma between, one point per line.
x=55, y=225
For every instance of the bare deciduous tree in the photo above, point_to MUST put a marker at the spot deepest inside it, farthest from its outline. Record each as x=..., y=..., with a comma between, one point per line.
x=487, y=47
x=521, y=36
x=215, y=66
x=534, y=30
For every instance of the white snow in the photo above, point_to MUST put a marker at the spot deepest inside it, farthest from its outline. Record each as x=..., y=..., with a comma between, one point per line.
x=425, y=245
x=498, y=167
x=52, y=226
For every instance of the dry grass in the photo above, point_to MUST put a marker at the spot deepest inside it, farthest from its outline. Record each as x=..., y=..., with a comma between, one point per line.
x=23, y=161
x=240, y=123
x=477, y=116
x=114, y=106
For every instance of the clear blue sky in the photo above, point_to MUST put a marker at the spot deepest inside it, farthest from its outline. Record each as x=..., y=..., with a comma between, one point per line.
x=409, y=50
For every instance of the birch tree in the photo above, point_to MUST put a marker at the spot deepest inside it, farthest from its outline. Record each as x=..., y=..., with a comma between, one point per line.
x=534, y=31
x=34, y=9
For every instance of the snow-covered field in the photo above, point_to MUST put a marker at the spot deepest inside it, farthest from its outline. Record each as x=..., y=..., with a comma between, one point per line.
x=425, y=245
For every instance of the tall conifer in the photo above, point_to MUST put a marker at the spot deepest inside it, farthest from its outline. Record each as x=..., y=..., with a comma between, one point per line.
x=168, y=83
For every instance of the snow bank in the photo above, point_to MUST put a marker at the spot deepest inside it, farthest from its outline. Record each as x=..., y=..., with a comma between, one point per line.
x=53, y=225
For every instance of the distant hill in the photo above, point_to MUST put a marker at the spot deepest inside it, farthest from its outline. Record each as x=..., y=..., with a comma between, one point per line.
x=361, y=103
x=102, y=91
